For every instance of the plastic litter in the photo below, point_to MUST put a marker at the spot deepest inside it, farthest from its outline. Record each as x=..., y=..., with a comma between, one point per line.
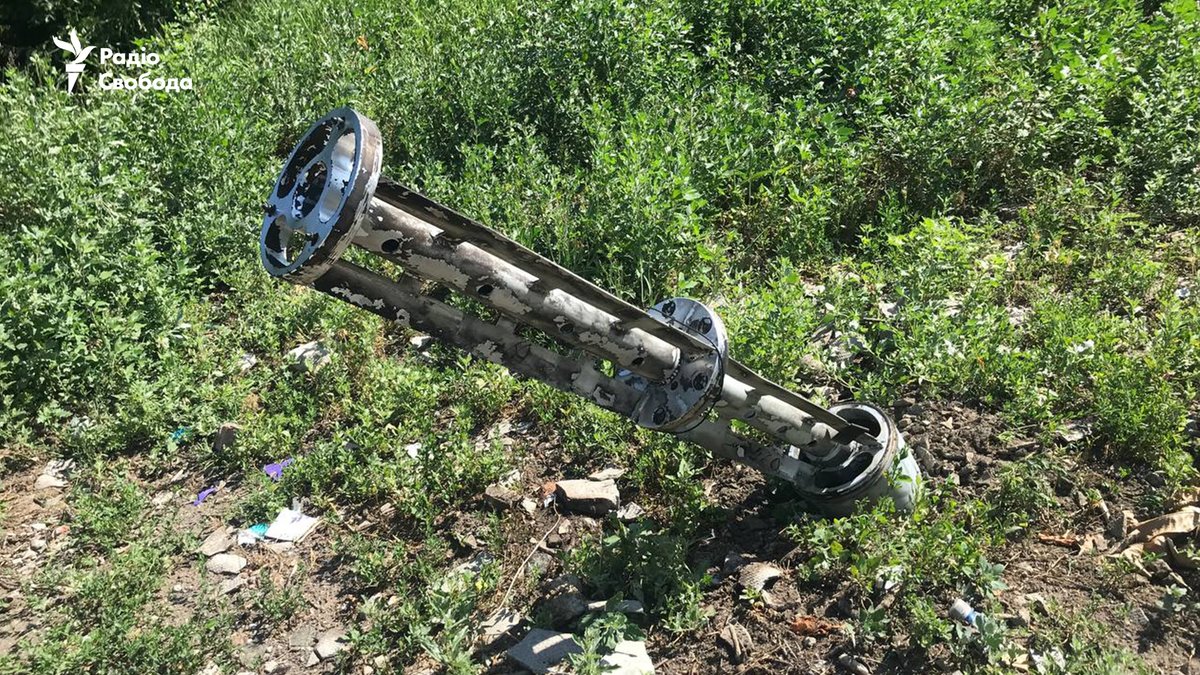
x=291, y=525
x=275, y=470
x=961, y=610
x=204, y=494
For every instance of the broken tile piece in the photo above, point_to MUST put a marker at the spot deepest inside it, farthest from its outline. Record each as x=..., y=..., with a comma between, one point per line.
x=543, y=649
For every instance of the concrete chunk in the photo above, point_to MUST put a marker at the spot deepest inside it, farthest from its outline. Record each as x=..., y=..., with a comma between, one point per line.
x=596, y=497
x=225, y=563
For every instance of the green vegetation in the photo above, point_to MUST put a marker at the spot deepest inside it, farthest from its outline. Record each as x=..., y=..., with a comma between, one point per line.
x=1017, y=183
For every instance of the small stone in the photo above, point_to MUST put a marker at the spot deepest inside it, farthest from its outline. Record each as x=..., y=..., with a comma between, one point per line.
x=851, y=664
x=588, y=496
x=46, y=482
x=529, y=506
x=225, y=563
x=737, y=640
x=420, y=342
x=226, y=435
x=810, y=642
x=270, y=666
x=627, y=658
x=565, y=608
x=501, y=496
x=310, y=356
x=498, y=624
x=630, y=512
x=302, y=637
x=330, y=642
x=37, y=527
x=37, y=543
x=313, y=659
x=230, y=585
x=162, y=498
x=607, y=474
x=543, y=649
x=218, y=541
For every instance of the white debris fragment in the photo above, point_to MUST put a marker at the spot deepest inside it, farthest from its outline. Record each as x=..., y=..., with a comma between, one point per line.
x=246, y=362
x=543, y=649
x=310, y=356
x=756, y=576
x=420, y=342
x=413, y=450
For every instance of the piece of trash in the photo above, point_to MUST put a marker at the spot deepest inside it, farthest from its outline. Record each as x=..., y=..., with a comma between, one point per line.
x=889, y=310
x=1084, y=346
x=587, y=496
x=310, y=356
x=1052, y=661
x=543, y=649
x=179, y=434
x=413, y=450
x=330, y=643
x=1183, y=292
x=225, y=563
x=204, y=494
x=420, y=342
x=963, y=612
x=1154, y=536
x=756, y=576
x=275, y=470
x=627, y=658
x=291, y=525
x=54, y=474
x=808, y=625
x=607, y=474
x=498, y=624
x=736, y=639
x=630, y=512
x=252, y=535
x=852, y=665
x=218, y=541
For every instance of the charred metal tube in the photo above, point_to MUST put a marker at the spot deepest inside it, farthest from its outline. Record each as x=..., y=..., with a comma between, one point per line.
x=672, y=367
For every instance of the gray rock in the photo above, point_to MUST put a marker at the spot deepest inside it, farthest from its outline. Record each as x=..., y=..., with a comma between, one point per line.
x=330, y=642
x=310, y=356
x=270, y=666
x=302, y=637
x=588, y=496
x=230, y=585
x=218, y=541
x=737, y=640
x=627, y=658
x=225, y=563
x=565, y=608
x=46, y=482
x=501, y=496
x=543, y=649
x=607, y=474
x=498, y=624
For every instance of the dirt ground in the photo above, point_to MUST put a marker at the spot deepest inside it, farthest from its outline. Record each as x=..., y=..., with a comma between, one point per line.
x=949, y=440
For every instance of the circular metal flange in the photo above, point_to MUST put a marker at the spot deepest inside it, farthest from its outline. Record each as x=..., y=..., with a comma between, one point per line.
x=323, y=190
x=835, y=483
x=686, y=397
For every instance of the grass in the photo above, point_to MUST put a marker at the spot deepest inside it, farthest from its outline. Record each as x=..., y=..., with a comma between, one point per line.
x=1020, y=180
